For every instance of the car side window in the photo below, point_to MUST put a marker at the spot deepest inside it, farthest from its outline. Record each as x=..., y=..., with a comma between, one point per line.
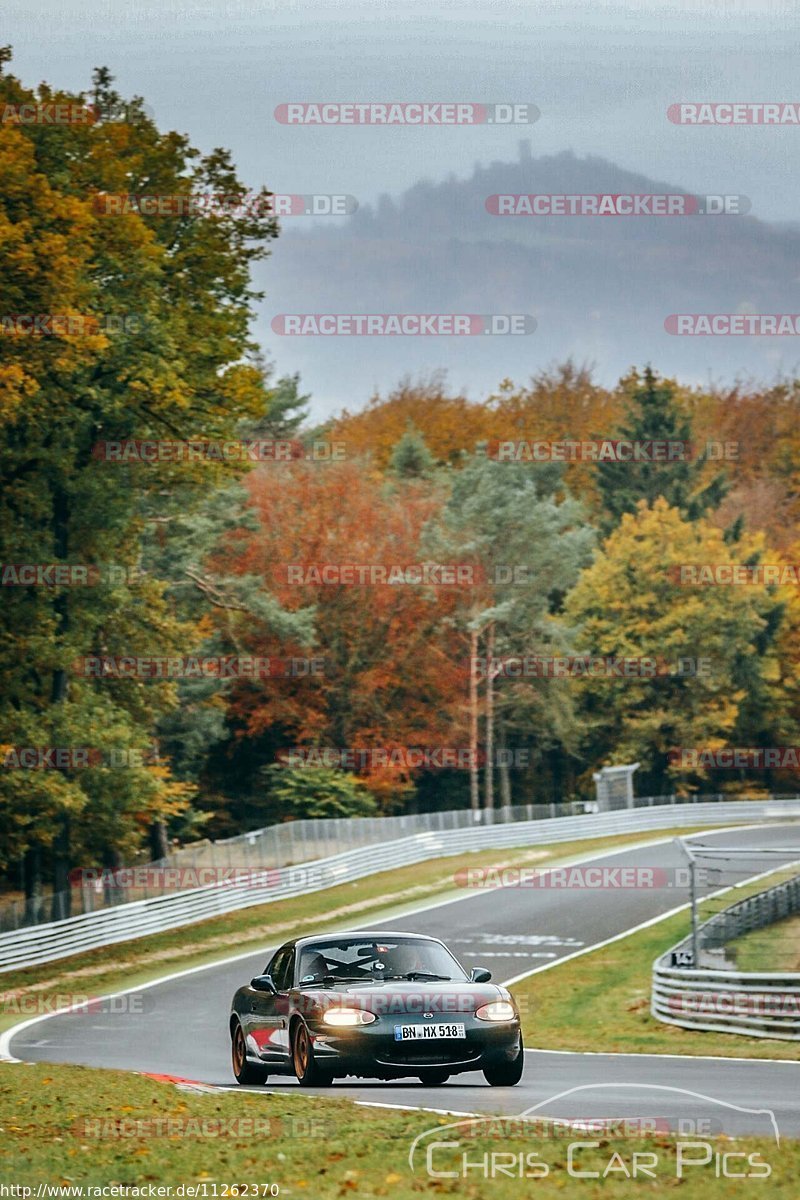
x=281, y=968
x=288, y=973
x=275, y=965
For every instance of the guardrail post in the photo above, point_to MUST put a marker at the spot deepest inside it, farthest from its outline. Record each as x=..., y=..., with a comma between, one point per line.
x=693, y=902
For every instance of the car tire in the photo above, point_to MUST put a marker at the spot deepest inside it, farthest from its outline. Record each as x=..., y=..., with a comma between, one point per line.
x=306, y=1068
x=433, y=1077
x=244, y=1072
x=506, y=1074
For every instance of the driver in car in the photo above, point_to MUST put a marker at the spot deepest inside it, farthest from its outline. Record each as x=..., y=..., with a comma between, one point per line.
x=315, y=968
x=404, y=959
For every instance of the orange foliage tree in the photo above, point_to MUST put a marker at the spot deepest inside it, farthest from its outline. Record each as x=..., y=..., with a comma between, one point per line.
x=390, y=673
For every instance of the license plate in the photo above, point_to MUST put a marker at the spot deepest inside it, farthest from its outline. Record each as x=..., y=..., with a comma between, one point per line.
x=423, y=1033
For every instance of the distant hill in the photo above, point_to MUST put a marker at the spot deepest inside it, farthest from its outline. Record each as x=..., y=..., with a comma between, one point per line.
x=599, y=287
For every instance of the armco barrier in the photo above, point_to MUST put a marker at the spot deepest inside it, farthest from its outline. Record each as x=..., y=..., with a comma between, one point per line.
x=58, y=939
x=758, y=1004
x=281, y=845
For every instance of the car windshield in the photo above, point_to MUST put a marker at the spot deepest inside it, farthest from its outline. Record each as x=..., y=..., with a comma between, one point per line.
x=373, y=960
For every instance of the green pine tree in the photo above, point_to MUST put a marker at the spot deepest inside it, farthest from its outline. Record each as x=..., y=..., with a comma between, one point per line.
x=654, y=414
x=411, y=458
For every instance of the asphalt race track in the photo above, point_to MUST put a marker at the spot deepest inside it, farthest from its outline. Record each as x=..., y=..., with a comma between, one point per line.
x=181, y=1028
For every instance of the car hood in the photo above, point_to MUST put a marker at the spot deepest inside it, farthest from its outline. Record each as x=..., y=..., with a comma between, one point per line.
x=407, y=997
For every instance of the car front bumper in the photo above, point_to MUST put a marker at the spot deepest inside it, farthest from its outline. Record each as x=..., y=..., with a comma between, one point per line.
x=373, y=1050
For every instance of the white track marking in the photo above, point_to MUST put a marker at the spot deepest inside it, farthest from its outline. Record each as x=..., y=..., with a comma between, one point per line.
x=8, y=1034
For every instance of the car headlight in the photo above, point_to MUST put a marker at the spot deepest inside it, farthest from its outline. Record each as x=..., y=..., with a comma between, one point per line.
x=348, y=1016
x=498, y=1010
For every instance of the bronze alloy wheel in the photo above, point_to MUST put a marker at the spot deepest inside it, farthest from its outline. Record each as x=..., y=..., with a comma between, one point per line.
x=305, y=1065
x=302, y=1050
x=244, y=1072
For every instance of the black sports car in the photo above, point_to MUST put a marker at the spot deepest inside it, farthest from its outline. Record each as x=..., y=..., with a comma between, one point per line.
x=376, y=1005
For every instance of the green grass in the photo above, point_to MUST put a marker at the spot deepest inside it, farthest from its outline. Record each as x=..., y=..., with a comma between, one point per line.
x=383, y=895
x=775, y=948
x=84, y=1127
x=601, y=1000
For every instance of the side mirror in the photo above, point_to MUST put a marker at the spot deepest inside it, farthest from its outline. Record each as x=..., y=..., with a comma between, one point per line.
x=480, y=975
x=263, y=983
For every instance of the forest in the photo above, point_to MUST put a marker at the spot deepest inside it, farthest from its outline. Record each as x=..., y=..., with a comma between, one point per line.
x=219, y=612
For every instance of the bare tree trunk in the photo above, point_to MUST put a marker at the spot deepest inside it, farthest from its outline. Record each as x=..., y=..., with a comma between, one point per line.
x=159, y=843
x=60, y=683
x=113, y=893
x=61, y=905
x=474, y=787
x=489, y=779
x=159, y=846
x=505, y=774
x=32, y=869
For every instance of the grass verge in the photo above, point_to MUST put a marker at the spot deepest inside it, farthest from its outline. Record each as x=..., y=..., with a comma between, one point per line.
x=80, y=1127
x=776, y=948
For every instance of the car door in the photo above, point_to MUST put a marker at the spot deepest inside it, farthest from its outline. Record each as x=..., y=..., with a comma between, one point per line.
x=268, y=1017
x=284, y=981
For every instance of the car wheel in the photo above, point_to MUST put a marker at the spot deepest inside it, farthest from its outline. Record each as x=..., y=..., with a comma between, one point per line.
x=306, y=1068
x=433, y=1078
x=244, y=1072
x=508, y=1073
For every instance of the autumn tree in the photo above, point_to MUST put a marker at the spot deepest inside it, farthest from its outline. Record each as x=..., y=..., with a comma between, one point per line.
x=151, y=341
x=388, y=677
x=449, y=424
x=715, y=649
x=317, y=792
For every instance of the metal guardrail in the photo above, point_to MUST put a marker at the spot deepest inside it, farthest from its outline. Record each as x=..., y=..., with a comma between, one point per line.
x=280, y=845
x=284, y=845
x=59, y=939
x=758, y=1004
